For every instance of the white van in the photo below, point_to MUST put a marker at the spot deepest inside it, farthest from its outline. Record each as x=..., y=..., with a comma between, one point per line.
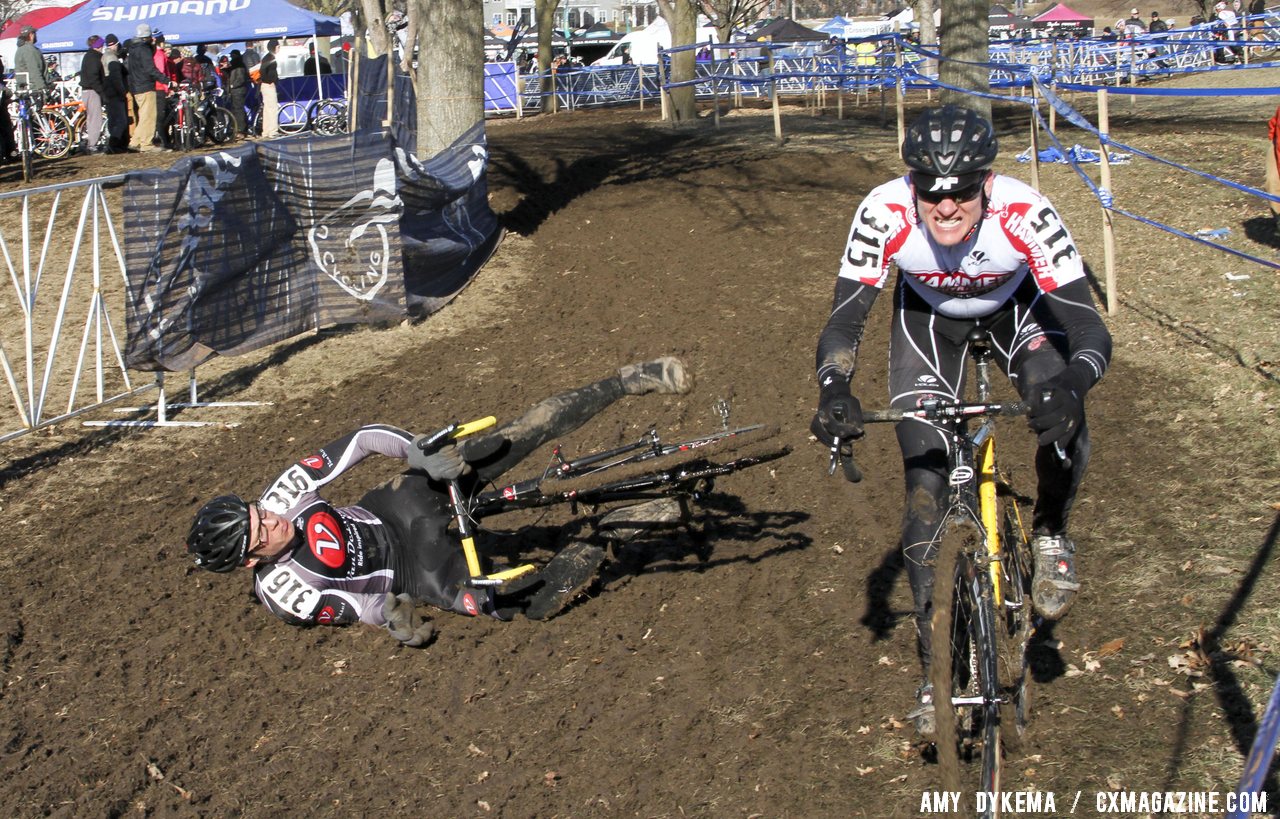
x=643, y=44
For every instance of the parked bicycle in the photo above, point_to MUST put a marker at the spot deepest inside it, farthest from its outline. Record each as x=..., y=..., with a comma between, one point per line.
x=39, y=131
x=658, y=481
x=982, y=617
x=196, y=120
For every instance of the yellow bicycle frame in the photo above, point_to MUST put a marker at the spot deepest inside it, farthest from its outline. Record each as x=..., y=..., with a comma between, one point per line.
x=990, y=514
x=464, y=525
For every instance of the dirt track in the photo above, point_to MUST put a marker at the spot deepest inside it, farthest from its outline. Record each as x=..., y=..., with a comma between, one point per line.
x=768, y=678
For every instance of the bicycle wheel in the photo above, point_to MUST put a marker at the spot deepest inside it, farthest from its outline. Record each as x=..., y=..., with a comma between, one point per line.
x=293, y=117
x=220, y=125
x=26, y=150
x=328, y=117
x=53, y=134
x=1014, y=630
x=964, y=669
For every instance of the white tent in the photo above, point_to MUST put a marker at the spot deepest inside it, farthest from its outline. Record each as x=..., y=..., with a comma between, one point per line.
x=643, y=43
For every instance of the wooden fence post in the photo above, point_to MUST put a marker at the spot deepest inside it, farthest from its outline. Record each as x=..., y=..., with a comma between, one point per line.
x=900, y=85
x=1108, y=229
x=773, y=94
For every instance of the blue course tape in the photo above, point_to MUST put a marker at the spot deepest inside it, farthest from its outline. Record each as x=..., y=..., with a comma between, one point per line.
x=1172, y=92
x=1264, y=747
x=1104, y=196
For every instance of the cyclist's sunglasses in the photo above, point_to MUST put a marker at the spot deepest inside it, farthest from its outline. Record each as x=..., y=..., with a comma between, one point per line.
x=964, y=193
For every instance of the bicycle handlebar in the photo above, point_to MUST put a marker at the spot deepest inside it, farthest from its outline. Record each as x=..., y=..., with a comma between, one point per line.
x=436, y=440
x=944, y=410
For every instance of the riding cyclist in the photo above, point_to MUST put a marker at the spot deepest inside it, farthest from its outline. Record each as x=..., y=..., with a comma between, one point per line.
x=318, y=564
x=973, y=249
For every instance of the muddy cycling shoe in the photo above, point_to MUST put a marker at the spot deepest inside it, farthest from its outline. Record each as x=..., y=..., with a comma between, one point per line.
x=1055, y=584
x=568, y=573
x=628, y=522
x=666, y=375
x=922, y=716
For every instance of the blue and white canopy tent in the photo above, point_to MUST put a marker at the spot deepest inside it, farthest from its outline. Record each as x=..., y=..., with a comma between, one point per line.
x=186, y=22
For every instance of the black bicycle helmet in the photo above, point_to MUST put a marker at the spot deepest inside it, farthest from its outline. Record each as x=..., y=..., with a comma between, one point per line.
x=949, y=141
x=219, y=538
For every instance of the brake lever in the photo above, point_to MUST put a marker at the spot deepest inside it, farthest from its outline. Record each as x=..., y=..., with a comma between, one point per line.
x=1057, y=447
x=842, y=455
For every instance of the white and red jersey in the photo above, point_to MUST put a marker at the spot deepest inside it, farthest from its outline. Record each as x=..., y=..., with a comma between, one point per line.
x=1019, y=234
x=340, y=570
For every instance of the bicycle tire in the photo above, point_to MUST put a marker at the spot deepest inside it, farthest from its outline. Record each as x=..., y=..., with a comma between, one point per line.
x=965, y=664
x=292, y=117
x=744, y=441
x=28, y=169
x=53, y=134
x=220, y=125
x=327, y=117
x=1017, y=627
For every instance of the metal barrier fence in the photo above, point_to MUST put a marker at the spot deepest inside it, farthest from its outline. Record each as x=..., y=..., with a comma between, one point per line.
x=62, y=319
x=881, y=62
x=54, y=294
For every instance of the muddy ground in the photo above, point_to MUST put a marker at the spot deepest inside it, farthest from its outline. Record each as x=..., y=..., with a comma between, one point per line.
x=767, y=676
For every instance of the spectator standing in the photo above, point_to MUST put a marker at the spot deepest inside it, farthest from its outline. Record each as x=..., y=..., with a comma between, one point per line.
x=143, y=79
x=28, y=61
x=1134, y=25
x=115, y=95
x=316, y=65
x=92, y=88
x=1257, y=21
x=251, y=55
x=267, y=79
x=1157, y=26
x=237, y=83
x=8, y=143
x=1107, y=34
x=208, y=71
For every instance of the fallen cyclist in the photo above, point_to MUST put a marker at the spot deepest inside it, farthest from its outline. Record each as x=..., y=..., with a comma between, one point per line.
x=314, y=563
x=973, y=249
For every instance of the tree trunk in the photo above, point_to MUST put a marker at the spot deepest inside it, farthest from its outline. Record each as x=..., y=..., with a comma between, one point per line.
x=964, y=38
x=449, y=79
x=375, y=22
x=682, y=19
x=544, y=13
x=928, y=32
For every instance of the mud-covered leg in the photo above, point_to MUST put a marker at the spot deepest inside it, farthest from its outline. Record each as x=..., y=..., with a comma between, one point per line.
x=495, y=453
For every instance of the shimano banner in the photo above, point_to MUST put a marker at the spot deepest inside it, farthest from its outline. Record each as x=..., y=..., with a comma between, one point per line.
x=186, y=22
x=233, y=251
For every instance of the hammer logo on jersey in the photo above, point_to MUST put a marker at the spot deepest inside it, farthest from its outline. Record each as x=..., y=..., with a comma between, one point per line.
x=324, y=536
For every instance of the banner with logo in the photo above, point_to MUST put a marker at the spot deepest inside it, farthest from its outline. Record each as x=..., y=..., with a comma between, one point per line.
x=187, y=22
x=234, y=251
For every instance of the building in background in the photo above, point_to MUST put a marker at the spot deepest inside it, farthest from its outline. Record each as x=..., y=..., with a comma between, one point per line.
x=619, y=15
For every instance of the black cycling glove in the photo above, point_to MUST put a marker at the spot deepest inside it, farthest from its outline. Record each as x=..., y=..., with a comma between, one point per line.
x=1057, y=406
x=839, y=415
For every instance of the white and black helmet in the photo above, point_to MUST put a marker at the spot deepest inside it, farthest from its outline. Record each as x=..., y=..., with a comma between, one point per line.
x=950, y=141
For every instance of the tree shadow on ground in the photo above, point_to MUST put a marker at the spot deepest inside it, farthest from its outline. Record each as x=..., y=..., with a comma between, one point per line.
x=1232, y=700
